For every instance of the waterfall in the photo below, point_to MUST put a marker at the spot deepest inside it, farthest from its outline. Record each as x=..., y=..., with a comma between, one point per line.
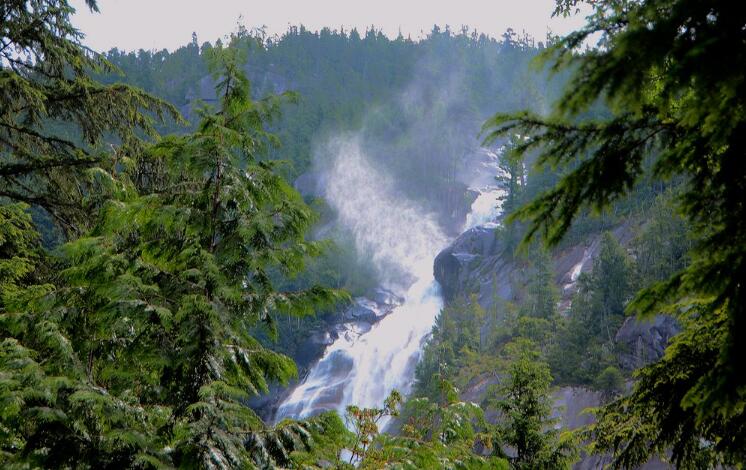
x=487, y=207
x=401, y=239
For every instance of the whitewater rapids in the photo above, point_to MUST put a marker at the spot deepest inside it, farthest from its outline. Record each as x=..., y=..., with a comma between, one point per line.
x=364, y=364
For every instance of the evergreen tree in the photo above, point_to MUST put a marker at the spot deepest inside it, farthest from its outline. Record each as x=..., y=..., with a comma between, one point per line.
x=456, y=339
x=512, y=177
x=140, y=355
x=436, y=435
x=662, y=248
x=676, y=93
x=512, y=180
x=584, y=347
x=541, y=292
x=19, y=249
x=55, y=116
x=525, y=405
x=610, y=381
x=611, y=286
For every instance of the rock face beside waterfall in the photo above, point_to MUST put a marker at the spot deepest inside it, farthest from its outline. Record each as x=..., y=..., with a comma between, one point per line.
x=472, y=259
x=644, y=341
x=476, y=263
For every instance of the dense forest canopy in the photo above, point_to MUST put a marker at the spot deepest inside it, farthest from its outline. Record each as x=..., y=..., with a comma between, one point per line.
x=159, y=266
x=416, y=105
x=451, y=81
x=678, y=116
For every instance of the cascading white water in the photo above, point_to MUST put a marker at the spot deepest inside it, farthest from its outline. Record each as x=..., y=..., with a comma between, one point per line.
x=361, y=367
x=487, y=207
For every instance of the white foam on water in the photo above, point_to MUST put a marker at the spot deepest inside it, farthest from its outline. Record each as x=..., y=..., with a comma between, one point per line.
x=485, y=209
x=402, y=241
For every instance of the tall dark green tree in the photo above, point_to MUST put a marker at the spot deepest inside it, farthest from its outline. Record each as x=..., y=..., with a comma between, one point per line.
x=525, y=405
x=53, y=123
x=139, y=353
x=541, y=291
x=611, y=285
x=446, y=434
x=676, y=91
x=457, y=337
x=512, y=180
x=662, y=248
x=55, y=117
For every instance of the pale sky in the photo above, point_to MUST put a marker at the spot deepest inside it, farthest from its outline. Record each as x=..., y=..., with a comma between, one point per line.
x=158, y=24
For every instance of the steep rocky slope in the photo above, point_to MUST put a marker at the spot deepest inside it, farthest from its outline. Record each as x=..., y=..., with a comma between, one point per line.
x=476, y=263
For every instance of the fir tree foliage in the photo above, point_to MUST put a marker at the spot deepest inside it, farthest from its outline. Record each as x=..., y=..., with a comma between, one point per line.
x=584, y=345
x=676, y=94
x=541, y=292
x=139, y=354
x=55, y=117
x=447, y=433
x=526, y=425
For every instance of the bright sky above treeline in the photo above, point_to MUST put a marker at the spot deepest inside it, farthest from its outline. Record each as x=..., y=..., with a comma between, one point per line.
x=158, y=24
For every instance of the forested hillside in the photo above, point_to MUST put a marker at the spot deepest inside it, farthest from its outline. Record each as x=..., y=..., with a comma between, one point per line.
x=340, y=76
x=347, y=81
x=418, y=105
x=213, y=257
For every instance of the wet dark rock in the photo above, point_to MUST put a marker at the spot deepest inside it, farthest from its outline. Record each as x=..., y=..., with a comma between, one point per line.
x=308, y=183
x=313, y=347
x=644, y=341
x=352, y=330
x=265, y=405
x=366, y=310
x=386, y=297
x=453, y=217
x=460, y=267
x=353, y=319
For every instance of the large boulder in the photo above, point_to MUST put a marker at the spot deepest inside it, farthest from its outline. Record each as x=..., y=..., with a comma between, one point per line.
x=458, y=267
x=366, y=310
x=313, y=347
x=308, y=183
x=644, y=341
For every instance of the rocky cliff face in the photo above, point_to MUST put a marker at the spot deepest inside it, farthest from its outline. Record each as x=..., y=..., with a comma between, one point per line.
x=644, y=341
x=476, y=263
